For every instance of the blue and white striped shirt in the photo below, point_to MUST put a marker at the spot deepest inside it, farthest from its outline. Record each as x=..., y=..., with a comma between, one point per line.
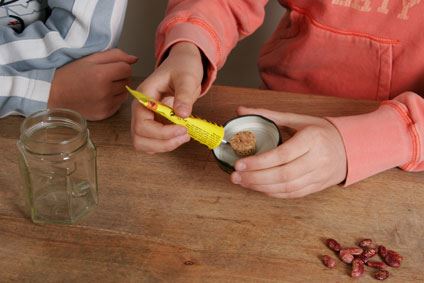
x=38, y=36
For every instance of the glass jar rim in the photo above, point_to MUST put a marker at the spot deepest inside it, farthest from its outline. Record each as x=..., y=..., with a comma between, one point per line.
x=65, y=116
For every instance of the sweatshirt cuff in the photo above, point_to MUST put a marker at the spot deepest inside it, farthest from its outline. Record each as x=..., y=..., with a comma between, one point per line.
x=198, y=34
x=376, y=141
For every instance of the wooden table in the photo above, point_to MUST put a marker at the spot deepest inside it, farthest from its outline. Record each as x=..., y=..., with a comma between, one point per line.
x=177, y=217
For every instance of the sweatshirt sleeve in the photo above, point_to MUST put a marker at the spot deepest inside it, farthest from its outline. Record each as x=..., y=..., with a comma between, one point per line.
x=74, y=29
x=214, y=26
x=392, y=136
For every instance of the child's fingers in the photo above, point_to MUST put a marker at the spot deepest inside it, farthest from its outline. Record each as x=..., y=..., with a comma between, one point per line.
x=118, y=87
x=117, y=102
x=187, y=90
x=120, y=98
x=275, y=175
x=291, y=120
x=153, y=137
x=155, y=85
x=155, y=130
x=168, y=100
x=310, y=189
x=156, y=146
x=143, y=124
x=115, y=71
x=287, y=187
x=108, y=106
x=111, y=56
x=138, y=115
x=290, y=150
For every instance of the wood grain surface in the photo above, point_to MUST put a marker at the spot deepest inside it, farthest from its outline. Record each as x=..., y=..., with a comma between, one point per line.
x=176, y=217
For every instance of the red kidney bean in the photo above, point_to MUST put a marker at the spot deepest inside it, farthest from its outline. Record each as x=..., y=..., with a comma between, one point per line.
x=369, y=252
x=393, y=259
x=376, y=264
x=345, y=256
x=333, y=245
x=359, y=257
x=366, y=255
x=328, y=261
x=354, y=250
x=396, y=254
x=382, y=251
x=362, y=257
x=381, y=274
x=365, y=243
x=357, y=268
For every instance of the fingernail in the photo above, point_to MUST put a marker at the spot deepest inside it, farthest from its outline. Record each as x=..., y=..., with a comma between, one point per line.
x=181, y=131
x=134, y=57
x=240, y=166
x=236, y=178
x=184, y=139
x=182, y=110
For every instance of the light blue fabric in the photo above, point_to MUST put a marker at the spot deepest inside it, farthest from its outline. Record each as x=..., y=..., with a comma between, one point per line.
x=60, y=20
x=36, y=74
x=20, y=105
x=17, y=14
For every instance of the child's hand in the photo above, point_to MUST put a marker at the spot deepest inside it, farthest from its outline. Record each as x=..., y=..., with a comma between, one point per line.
x=312, y=160
x=180, y=76
x=94, y=85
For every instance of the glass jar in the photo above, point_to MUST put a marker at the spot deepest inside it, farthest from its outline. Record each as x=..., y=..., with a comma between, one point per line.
x=58, y=165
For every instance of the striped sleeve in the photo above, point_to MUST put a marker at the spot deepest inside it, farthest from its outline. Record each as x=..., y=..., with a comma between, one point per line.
x=74, y=29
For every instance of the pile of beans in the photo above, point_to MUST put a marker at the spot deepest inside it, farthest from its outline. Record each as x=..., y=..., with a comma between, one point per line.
x=361, y=255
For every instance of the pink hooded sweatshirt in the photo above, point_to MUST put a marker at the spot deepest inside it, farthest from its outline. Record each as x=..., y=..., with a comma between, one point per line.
x=365, y=49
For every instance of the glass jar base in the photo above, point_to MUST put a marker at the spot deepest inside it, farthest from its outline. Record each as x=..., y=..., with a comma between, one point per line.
x=58, y=207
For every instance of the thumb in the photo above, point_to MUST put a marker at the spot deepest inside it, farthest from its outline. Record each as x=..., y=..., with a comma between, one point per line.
x=112, y=56
x=187, y=90
x=291, y=120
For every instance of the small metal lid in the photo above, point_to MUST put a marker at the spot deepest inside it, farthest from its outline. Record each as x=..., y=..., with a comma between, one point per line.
x=267, y=137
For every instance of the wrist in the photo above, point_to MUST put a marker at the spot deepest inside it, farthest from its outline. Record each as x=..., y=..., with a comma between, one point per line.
x=52, y=102
x=185, y=48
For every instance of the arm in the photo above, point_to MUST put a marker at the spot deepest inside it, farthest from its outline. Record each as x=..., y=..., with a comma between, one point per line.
x=392, y=136
x=323, y=153
x=214, y=27
x=28, y=60
x=311, y=160
x=191, y=31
